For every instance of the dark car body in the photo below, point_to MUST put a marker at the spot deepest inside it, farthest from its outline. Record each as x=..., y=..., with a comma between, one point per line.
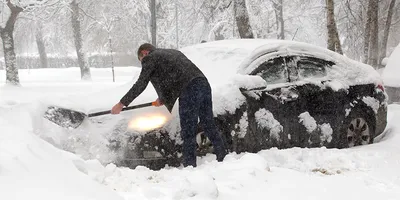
x=301, y=106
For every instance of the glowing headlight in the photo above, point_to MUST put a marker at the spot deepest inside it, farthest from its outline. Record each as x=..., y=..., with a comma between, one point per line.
x=147, y=123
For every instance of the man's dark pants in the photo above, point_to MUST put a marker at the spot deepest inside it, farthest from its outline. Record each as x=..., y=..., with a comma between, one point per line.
x=196, y=102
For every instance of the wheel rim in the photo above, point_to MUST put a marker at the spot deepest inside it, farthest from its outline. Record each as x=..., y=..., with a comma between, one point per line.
x=202, y=141
x=358, y=132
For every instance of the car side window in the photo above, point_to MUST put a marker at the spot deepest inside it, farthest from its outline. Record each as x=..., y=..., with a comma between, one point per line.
x=273, y=71
x=309, y=67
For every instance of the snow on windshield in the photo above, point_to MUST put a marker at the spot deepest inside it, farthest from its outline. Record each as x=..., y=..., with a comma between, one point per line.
x=219, y=60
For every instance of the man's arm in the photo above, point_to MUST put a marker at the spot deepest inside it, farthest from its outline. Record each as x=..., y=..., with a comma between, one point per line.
x=148, y=67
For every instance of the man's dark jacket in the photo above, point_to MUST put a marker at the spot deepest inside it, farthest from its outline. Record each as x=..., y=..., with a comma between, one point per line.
x=169, y=71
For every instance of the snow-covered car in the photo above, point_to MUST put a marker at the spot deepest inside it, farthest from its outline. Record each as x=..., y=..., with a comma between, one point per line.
x=391, y=76
x=273, y=93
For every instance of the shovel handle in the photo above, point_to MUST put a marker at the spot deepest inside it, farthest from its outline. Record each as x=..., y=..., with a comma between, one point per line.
x=123, y=109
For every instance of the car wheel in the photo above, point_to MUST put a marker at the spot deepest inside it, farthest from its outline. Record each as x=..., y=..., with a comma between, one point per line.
x=359, y=130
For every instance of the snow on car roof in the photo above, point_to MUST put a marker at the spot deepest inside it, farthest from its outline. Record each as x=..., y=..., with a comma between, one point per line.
x=392, y=70
x=220, y=57
x=235, y=56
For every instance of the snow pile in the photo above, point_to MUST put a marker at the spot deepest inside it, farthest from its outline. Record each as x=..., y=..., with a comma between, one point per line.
x=31, y=168
x=335, y=85
x=308, y=122
x=326, y=132
x=391, y=73
x=228, y=97
x=311, y=125
x=243, y=125
x=372, y=103
x=265, y=119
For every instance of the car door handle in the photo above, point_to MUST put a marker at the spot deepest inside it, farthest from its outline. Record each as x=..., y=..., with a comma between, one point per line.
x=289, y=98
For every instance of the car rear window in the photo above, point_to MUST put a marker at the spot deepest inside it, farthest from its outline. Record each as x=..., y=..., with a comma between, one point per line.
x=312, y=68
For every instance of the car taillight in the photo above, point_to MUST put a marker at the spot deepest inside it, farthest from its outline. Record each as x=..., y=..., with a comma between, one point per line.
x=380, y=86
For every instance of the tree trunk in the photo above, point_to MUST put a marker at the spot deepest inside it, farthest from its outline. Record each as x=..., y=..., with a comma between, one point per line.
x=12, y=76
x=386, y=32
x=333, y=35
x=153, y=22
x=41, y=47
x=76, y=26
x=242, y=19
x=280, y=23
x=367, y=31
x=374, y=47
x=177, y=24
x=6, y=33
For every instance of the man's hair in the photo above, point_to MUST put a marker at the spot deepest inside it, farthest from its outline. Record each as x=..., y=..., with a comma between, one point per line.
x=145, y=46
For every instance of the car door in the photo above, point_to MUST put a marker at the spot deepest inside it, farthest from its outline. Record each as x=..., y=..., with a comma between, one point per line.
x=322, y=100
x=272, y=112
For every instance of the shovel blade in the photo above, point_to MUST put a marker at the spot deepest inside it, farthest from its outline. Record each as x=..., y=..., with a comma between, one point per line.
x=64, y=117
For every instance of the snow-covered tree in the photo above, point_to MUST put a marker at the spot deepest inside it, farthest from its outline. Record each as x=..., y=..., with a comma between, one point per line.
x=12, y=9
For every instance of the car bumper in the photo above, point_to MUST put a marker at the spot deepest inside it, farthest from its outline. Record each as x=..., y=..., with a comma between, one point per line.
x=381, y=120
x=153, y=150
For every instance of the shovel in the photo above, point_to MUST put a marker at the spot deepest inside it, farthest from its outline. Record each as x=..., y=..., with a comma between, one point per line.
x=68, y=118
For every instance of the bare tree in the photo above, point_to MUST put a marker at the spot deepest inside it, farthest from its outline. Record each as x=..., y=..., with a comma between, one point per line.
x=280, y=23
x=153, y=22
x=76, y=26
x=41, y=45
x=107, y=23
x=12, y=76
x=242, y=19
x=373, y=52
x=333, y=35
x=367, y=31
x=386, y=31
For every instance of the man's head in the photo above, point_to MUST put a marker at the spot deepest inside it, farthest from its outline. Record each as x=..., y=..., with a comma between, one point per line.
x=144, y=50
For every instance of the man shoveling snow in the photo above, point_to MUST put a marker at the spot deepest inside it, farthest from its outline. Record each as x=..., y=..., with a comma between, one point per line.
x=174, y=76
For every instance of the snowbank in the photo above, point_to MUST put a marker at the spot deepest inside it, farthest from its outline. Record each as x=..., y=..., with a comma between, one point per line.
x=31, y=168
x=391, y=73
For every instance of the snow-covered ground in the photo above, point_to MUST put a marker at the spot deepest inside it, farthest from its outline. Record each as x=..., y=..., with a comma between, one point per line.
x=31, y=168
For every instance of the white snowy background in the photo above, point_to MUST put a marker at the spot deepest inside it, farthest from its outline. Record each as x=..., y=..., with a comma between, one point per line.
x=31, y=168
x=34, y=166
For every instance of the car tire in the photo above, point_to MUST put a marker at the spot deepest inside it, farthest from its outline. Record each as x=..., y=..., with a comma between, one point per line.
x=358, y=128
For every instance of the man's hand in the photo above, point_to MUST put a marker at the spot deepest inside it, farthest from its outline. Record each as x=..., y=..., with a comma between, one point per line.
x=117, y=108
x=157, y=103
